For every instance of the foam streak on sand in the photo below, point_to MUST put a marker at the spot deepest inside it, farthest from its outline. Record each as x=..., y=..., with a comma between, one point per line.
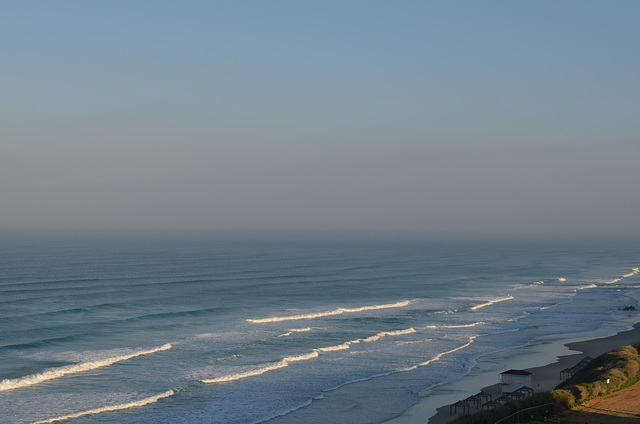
x=137, y=403
x=491, y=302
x=54, y=373
x=338, y=311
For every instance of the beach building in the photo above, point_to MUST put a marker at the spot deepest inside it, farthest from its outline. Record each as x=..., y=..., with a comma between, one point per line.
x=513, y=380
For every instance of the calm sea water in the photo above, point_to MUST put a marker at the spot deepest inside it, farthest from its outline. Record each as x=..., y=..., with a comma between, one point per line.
x=223, y=330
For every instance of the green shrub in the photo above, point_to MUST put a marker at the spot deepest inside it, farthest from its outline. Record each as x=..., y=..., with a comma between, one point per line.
x=564, y=398
x=605, y=374
x=631, y=369
x=580, y=392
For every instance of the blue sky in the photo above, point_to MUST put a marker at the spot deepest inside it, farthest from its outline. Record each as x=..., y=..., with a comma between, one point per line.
x=363, y=117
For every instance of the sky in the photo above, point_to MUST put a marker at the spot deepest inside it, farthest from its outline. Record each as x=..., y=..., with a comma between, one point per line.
x=321, y=117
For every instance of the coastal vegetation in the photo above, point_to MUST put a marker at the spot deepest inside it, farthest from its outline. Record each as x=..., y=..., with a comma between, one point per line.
x=610, y=372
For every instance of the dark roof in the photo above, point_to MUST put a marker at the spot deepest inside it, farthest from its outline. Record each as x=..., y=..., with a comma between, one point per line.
x=516, y=372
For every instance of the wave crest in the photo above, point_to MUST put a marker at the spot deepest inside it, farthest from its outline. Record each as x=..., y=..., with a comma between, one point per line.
x=141, y=402
x=491, y=302
x=295, y=330
x=473, y=324
x=53, y=373
x=338, y=311
x=304, y=357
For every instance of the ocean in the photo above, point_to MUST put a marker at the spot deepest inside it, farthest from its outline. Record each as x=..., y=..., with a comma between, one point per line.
x=151, y=329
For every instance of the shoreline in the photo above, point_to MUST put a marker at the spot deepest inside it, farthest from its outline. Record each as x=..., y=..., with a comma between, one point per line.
x=544, y=360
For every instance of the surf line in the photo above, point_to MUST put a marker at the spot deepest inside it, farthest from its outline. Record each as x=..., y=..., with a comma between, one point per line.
x=491, y=302
x=305, y=357
x=295, y=330
x=141, y=402
x=473, y=324
x=338, y=311
x=54, y=373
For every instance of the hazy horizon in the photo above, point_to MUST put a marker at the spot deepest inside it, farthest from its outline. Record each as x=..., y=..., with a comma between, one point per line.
x=360, y=117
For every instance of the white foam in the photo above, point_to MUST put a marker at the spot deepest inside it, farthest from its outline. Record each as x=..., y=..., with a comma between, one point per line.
x=338, y=311
x=450, y=311
x=295, y=330
x=440, y=355
x=528, y=285
x=544, y=308
x=634, y=271
x=473, y=324
x=388, y=333
x=120, y=407
x=252, y=373
x=491, y=302
x=415, y=342
x=588, y=286
x=342, y=346
x=304, y=357
x=263, y=369
x=562, y=279
x=54, y=373
x=379, y=336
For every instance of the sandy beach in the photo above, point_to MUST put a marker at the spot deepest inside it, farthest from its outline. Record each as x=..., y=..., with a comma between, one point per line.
x=544, y=361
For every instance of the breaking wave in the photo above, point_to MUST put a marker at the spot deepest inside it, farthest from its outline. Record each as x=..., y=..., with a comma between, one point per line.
x=440, y=355
x=141, y=402
x=634, y=271
x=491, y=302
x=54, y=373
x=304, y=357
x=473, y=324
x=295, y=330
x=388, y=333
x=338, y=311
x=258, y=371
